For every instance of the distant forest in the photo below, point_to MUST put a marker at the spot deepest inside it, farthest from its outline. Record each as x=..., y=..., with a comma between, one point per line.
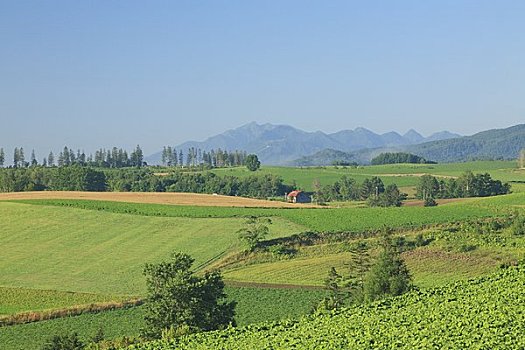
x=399, y=158
x=85, y=178
x=120, y=158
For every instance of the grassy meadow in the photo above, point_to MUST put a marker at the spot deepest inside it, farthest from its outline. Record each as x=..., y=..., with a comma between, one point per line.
x=403, y=175
x=90, y=251
x=64, y=252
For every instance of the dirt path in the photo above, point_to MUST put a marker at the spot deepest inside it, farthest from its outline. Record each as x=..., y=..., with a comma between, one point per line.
x=413, y=175
x=156, y=198
x=420, y=203
x=271, y=285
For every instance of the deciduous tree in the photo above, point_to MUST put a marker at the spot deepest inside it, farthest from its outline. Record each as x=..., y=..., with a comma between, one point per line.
x=254, y=231
x=183, y=302
x=252, y=162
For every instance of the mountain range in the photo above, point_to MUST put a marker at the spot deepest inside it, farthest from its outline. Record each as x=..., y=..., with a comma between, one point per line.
x=491, y=144
x=284, y=144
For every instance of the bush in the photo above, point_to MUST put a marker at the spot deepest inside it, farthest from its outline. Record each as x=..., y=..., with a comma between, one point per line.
x=430, y=202
x=64, y=342
x=518, y=225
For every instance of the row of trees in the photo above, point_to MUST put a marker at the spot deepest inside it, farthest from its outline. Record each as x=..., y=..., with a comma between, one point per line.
x=196, y=156
x=372, y=190
x=79, y=178
x=398, y=158
x=113, y=158
x=467, y=185
x=56, y=179
x=120, y=158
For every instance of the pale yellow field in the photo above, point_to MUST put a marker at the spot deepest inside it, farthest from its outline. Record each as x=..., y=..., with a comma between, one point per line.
x=155, y=198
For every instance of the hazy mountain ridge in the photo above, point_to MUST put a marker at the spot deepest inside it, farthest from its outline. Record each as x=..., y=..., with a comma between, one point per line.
x=491, y=144
x=282, y=144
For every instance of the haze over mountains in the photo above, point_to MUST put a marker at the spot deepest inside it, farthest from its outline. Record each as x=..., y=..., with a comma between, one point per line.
x=283, y=144
x=491, y=144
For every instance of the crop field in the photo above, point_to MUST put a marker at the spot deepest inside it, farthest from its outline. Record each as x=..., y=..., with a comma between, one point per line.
x=65, y=249
x=349, y=219
x=252, y=308
x=403, y=175
x=117, y=323
x=101, y=252
x=487, y=313
x=190, y=199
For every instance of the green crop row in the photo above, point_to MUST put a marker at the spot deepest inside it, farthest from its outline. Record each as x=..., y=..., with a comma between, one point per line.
x=253, y=305
x=486, y=313
x=320, y=220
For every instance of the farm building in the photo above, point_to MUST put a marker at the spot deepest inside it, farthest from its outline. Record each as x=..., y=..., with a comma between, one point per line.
x=298, y=197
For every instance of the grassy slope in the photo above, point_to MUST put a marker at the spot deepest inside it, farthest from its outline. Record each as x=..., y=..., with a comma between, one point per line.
x=429, y=266
x=253, y=306
x=95, y=251
x=481, y=314
x=14, y=300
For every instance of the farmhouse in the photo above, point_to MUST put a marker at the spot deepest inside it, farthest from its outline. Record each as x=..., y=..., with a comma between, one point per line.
x=298, y=197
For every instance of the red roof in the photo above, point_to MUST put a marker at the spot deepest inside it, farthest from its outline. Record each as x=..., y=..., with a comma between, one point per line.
x=294, y=193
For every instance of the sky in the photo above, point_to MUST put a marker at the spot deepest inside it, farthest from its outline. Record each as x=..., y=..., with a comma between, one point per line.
x=92, y=74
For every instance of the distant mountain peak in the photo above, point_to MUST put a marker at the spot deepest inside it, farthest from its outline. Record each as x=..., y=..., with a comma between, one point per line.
x=413, y=136
x=279, y=144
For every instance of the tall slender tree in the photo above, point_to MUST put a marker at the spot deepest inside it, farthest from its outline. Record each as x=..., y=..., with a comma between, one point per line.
x=164, y=156
x=16, y=157
x=521, y=159
x=181, y=158
x=2, y=157
x=51, y=159
x=34, y=162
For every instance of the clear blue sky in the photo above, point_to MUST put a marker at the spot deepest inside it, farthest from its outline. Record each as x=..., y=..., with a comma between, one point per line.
x=90, y=73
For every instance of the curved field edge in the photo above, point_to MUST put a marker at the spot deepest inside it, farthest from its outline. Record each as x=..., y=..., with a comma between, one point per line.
x=17, y=300
x=167, y=198
x=485, y=313
x=321, y=220
x=252, y=308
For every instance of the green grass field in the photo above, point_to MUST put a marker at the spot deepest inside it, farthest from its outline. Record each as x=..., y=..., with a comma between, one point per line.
x=346, y=219
x=14, y=300
x=430, y=267
x=401, y=174
x=79, y=250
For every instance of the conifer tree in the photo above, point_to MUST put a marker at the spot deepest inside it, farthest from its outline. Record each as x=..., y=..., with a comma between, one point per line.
x=521, y=159
x=34, y=162
x=51, y=159
x=2, y=157
x=389, y=276
x=22, y=158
